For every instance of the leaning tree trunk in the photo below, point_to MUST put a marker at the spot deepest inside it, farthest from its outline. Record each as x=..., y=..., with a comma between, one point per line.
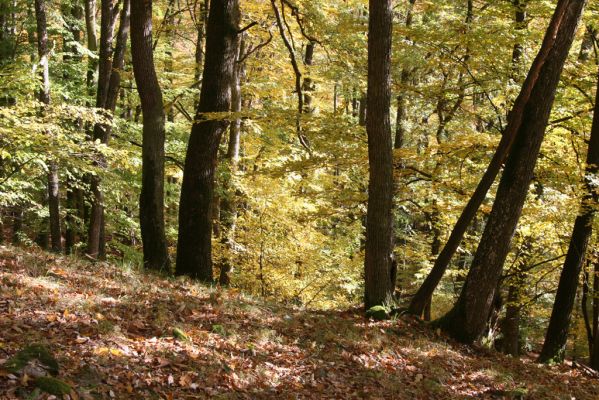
x=151, y=204
x=557, y=333
x=425, y=292
x=44, y=97
x=194, y=249
x=467, y=319
x=378, y=261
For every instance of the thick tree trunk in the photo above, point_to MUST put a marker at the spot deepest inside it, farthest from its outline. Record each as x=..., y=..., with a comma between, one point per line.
x=557, y=333
x=44, y=96
x=378, y=261
x=194, y=250
x=151, y=204
x=467, y=320
x=425, y=292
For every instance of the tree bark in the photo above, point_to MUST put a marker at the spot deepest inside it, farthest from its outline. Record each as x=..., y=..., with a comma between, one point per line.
x=151, y=204
x=194, y=249
x=109, y=80
x=104, y=71
x=557, y=332
x=44, y=97
x=92, y=40
x=228, y=207
x=378, y=261
x=466, y=320
x=425, y=292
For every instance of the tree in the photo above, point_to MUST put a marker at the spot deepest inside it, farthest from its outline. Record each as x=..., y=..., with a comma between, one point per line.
x=110, y=64
x=228, y=214
x=516, y=117
x=466, y=320
x=557, y=331
x=194, y=248
x=44, y=97
x=378, y=262
x=151, y=204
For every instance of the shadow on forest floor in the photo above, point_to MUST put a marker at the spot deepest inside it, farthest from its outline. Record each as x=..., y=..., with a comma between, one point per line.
x=113, y=333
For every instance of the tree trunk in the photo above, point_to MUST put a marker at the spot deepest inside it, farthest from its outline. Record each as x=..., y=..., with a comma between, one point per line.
x=194, y=250
x=511, y=324
x=557, y=333
x=425, y=292
x=228, y=212
x=151, y=204
x=92, y=40
x=104, y=71
x=402, y=101
x=44, y=96
x=108, y=90
x=467, y=320
x=379, y=220
x=73, y=14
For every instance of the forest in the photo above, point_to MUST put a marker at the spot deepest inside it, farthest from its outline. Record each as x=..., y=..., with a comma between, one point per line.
x=299, y=199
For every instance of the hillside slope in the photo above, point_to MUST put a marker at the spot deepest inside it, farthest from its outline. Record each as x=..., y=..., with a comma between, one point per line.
x=120, y=334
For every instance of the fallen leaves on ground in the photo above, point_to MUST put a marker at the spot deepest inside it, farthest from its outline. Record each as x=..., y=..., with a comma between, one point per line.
x=121, y=334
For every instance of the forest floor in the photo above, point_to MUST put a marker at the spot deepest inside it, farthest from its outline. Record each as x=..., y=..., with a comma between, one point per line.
x=120, y=334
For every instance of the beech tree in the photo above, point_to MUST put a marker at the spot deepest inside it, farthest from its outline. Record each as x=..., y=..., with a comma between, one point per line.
x=557, y=332
x=44, y=97
x=194, y=248
x=425, y=292
x=151, y=203
x=378, y=264
x=466, y=320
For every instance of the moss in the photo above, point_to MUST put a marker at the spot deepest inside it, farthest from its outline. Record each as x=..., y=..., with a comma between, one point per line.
x=29, y=353
x=53, y=386
x=378, y=313
x=219, y=330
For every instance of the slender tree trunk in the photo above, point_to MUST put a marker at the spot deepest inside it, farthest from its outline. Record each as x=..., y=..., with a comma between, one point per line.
x=96, y=227
x=425, y=292
x=201, y=23
x=194, y=250
x=379, y=220
x=467, y=320
x=402, y=101
x=308, y=85
x=44, y=96
x=228, y=214
x=74, y=14
x=109, y=80
x=151, y=205
x=92, y=41
x=557, y=333
x=594, y=355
